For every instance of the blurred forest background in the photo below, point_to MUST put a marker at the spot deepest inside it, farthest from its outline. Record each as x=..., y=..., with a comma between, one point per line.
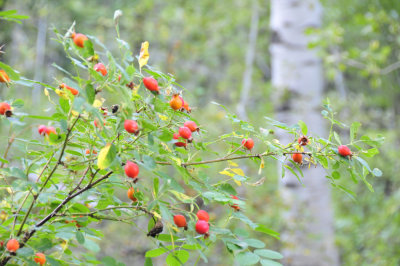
x=206, y=45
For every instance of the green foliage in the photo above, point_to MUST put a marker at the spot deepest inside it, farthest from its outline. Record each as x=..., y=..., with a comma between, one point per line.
x=72, y=188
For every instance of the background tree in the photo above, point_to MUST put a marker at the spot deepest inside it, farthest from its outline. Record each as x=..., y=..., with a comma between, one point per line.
x=297, y=75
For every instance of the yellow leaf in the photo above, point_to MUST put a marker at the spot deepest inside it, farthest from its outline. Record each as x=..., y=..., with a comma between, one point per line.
x=106, y=156
x=157, y=215
x=233, y=164
x=262, y=164
x=144, y=54
x=238, y=171
x=98, y=103
x=62, y=94
x=74, y=113
x=166, y=146
x=225, y=172
x=237, y=182
x=163, y=117
x=177, y=160
x=181, y=196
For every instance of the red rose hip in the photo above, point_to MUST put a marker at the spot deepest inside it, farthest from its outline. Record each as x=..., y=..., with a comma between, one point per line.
x=42, y=129
x=179, y=143
x=344, y=151
x=248, y=143
x=150, y=83
x=297, y=157
x=12, y=245
x=4, y=107
x=131, y=169
x=202, y=227
x=203, y=215
x=180, y=221
x=185, y=132
x=191, y=125
x=100, y=68
x=131, y=126
x=235, y=206
x=40, y=258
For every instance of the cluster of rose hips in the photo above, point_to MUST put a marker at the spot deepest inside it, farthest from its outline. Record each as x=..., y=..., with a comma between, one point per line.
x=13, y=245
x=79, y=40
x=343, y=150
x=176, y=102
x=185, y=133
x=202, y=226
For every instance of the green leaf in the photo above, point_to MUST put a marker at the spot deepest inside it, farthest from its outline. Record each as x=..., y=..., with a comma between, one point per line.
x=262, y=228
x=267, y=253
x=363, y=162
x=335, y=174
x=157, y=252
x=178, y=257
x=10, y=71
x=106, y=156
x=79, y=237
x=377, y=172
x=303, y=127
x=353, y=130
x=90, y=93
x=269, y=263
x=247, y=258
x=255, y=243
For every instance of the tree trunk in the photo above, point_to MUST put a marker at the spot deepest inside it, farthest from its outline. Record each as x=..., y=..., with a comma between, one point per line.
x=297, y=77
x=250, y=56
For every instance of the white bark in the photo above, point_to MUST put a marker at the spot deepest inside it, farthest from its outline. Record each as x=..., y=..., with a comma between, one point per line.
x=250, y=54
x=298, y=80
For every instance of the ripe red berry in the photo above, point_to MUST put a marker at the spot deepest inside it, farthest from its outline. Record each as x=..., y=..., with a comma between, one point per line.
x=344, y=151
x=180, y=221
x=42, y=129
x=185, y=132
x=50, y=130
x=179, y=143
x=72, y=90
x=150, y=83
x=297, y=157
x=235, y=206
x=79, y=39
x=131, y=126
x=176, y=102
x=202, y=227
x=12, y=245
x=131, y=169
x=4, y=107
x=203, y=215
x=4, y=77
x=99, y=67
x=131, y=192
x=191, y=125
x=248, y=143
x=40, y=258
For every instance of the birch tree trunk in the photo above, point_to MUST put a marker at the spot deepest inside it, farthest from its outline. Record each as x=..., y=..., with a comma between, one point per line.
x=308, y=239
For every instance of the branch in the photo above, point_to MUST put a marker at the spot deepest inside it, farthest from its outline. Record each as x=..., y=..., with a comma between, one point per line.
x=50, y=175
x=236, y=158
x=28, y=235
